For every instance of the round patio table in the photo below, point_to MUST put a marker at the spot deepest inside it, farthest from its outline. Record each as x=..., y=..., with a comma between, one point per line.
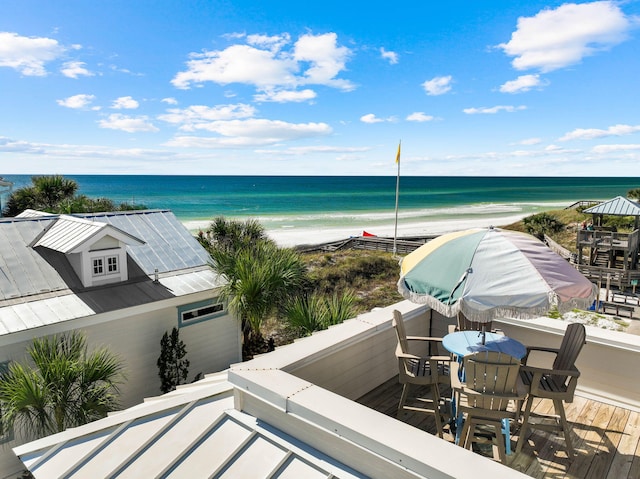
x=462, y=343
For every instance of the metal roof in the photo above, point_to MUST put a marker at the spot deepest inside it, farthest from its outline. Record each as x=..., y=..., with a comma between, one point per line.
x=618, y=206
x=45, y=309
x=29, y=213
x=183, y=434
x=68, y=233
x=169, y=246
x=38, y=285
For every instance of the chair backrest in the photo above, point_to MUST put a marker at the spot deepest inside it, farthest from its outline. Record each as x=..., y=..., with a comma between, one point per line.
x=492, y=374
x=408, y=368
x=401, y=334
x=572, y=343
x=465, y=324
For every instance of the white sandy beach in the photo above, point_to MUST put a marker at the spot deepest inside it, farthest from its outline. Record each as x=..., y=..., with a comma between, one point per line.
x=301, y=236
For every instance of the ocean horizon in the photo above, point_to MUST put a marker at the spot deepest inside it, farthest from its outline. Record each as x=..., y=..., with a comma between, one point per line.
x=293, y=208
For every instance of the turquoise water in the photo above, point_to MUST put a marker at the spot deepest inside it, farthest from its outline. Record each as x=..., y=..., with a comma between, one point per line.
x=313, y=201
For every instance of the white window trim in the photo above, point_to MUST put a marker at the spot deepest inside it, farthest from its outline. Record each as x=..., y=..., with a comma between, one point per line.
x=106, y=266
x=218, y=309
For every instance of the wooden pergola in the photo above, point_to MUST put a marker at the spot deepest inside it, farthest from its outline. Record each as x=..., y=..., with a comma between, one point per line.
x=607, y=245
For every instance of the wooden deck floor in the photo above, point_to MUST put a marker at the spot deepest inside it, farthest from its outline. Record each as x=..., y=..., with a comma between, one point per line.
x=606, y=438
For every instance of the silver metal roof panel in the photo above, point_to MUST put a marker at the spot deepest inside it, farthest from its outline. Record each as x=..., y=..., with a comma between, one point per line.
x=41, y=310
x=26, y=271
x=200, y=438
x=618, y=206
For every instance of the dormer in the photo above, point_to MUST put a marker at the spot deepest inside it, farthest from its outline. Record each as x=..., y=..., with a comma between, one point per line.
x=96, y=251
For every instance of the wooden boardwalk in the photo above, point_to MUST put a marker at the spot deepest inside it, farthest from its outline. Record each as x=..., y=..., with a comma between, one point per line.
x=606, y=438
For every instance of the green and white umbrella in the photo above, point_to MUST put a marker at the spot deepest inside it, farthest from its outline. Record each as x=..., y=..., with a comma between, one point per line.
x=490, y=273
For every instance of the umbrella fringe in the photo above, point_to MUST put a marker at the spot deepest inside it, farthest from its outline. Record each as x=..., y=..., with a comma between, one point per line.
x=433, y=303
x=524, y=313
x=450, y=311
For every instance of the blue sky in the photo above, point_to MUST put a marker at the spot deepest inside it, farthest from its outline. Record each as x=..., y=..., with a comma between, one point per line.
x=509, y=88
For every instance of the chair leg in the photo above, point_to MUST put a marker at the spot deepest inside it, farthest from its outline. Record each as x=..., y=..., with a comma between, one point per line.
x=436, y=407
x=500, y=439
x=403, y=399
x=559, y=407
x=466, y=439
x=525, y=424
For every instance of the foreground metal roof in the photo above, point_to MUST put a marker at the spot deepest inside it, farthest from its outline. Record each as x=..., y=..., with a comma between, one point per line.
x=618, y=206
x=194, y=432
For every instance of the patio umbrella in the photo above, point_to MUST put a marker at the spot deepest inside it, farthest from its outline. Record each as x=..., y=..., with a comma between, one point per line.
x=490, y=273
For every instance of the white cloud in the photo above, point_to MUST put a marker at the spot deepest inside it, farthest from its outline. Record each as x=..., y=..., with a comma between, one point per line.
x=615, y=148
x=267, y=65
x=285, y=96
x=437, y=85
x=593, y=133
x=237, y=64
x=530, y=141
x=189, y=118
x=556, y=38
x=271, y=130
x=419, y=117
x=118, y=121
x=125, y=103
x=522, y=84
x=75, y=69
x=370, y=118
x=493, y=109
x=327, y=60
x=18, y=146
x=76, y=101
x=327, y=149
x=391, y=57
x=169, y=101
x=28, y=55
x=274, y=43
x=252, y=132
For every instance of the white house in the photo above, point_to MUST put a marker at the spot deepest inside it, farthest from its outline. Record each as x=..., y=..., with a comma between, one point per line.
x=123, y=279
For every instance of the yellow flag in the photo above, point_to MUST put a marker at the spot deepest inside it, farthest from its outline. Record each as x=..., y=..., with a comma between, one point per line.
x=398, y=154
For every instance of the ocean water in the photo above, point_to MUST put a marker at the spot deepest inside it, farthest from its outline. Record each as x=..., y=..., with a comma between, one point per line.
x=346, y=203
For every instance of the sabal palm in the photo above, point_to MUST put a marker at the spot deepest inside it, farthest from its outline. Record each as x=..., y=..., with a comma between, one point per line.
x=53, y=190
x=68, y=386
x=46, y=193
x=232, y=235
x=260, y=277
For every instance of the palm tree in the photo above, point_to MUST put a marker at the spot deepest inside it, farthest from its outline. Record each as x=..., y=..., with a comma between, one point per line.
x=67, y=387
x=634, y=193
x=46, y=193
x=260, y=278
x=311, y=312
x=53, y=190
x=232, y=235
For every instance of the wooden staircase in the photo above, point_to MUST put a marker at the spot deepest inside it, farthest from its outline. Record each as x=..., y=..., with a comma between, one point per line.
x=602, y=258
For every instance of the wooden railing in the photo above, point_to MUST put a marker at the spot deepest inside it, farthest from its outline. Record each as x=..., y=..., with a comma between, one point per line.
x=376, y=243
x=622, y=279
x=558, y=248
x=603, y=238
x=587, y=203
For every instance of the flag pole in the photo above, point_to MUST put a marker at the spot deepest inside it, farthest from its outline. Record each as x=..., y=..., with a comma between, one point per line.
x=395, y=231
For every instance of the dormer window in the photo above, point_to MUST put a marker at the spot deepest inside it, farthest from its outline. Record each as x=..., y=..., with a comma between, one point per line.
x=96, y=251
x=105, y=265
